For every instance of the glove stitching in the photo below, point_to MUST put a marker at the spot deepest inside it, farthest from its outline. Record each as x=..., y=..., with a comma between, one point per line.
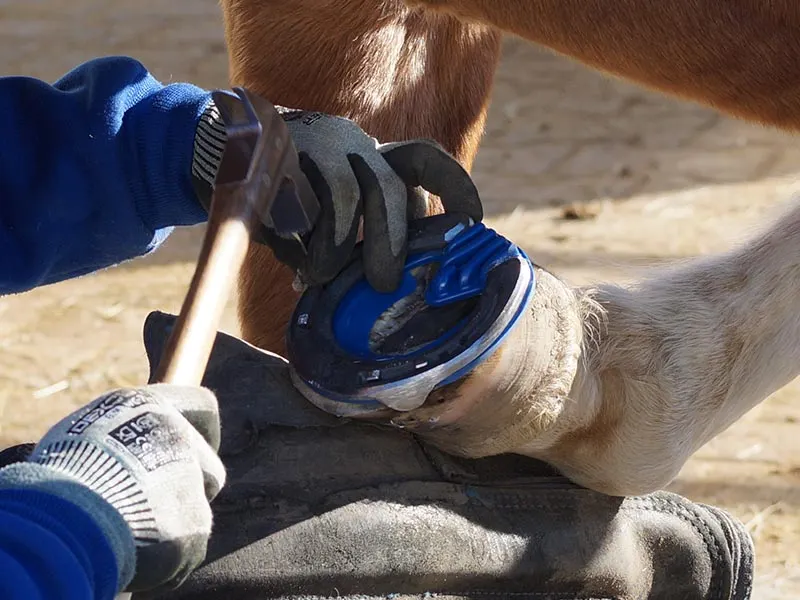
x=104, y=475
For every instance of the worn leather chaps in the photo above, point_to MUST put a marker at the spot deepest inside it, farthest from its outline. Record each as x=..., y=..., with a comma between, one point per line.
x=318, y=507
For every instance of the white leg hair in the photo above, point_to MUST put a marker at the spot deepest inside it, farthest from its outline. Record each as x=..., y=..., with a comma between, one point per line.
x=619, y=385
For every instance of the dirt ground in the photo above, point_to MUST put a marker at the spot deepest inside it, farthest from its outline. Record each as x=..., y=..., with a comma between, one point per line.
x=655, y=179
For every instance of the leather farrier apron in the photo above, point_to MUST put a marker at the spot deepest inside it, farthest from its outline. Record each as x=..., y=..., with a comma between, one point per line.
x=319, y=507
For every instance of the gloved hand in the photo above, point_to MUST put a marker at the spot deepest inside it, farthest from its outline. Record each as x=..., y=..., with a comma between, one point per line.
x=150, y=453
x=354, y=177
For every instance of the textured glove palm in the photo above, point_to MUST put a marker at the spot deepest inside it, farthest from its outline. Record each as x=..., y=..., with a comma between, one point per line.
x=355, y=178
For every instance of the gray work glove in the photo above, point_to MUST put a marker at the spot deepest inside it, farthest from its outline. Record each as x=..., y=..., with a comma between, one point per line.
x=356, y=177
x=150, y=453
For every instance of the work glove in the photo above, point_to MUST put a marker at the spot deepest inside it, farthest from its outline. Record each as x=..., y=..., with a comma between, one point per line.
x=150, y=453
x=355, y=178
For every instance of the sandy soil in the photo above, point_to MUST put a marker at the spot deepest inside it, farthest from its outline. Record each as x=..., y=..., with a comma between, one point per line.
x=652, y=179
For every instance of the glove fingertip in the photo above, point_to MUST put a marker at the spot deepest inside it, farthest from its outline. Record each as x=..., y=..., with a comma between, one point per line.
x=214, y=477
x=197, y=405
x=427, y=164
x=383, y=278
x=471, y=202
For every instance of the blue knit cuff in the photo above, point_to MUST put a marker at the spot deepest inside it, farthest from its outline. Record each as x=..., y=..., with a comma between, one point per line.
x=164, y=126
x=30, y=476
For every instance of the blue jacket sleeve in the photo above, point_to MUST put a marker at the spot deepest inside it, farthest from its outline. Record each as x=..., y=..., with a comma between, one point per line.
x=94, y=169
x=50, y=548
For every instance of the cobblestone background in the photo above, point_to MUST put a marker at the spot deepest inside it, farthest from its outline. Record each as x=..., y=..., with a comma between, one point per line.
x=649, y=178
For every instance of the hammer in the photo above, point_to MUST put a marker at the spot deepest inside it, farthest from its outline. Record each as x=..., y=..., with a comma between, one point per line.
x=259, y=181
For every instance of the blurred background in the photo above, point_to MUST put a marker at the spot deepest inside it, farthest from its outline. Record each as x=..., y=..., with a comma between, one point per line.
x=596, y=178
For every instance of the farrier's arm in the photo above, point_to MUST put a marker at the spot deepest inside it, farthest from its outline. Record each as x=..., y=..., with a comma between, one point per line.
x=52, y=548
x=739, y=56
x=94, y=169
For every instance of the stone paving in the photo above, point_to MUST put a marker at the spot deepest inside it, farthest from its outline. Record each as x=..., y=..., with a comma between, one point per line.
x=646, y=178
x=559, y=133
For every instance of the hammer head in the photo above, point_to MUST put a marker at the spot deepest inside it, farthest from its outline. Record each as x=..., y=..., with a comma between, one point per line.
x=261, y=161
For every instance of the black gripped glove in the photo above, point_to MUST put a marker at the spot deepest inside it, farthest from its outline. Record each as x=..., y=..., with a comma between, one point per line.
x=354, y=177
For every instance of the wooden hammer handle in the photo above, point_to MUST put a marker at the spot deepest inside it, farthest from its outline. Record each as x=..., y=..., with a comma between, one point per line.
x=222, y=255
